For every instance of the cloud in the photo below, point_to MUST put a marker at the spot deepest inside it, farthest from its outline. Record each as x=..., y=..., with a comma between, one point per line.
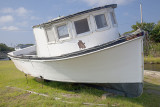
x=5, y=19
x=19, y=16
x=10, y=28
x=21, y=11
x=23, y=23
x=7, y=10
x=34, y=18
x=105, y=2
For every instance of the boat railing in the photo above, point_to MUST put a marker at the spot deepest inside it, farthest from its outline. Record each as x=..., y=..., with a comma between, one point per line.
x=29, y=51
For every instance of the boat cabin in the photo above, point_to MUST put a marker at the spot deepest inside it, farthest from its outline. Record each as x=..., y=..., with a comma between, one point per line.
x=76, y=32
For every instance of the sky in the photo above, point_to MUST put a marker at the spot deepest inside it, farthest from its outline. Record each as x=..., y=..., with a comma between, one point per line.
x=18, y=16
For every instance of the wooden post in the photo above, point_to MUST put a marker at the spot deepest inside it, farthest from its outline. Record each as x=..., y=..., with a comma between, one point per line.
x=141, y=13
x=42, y=80
x=26, y=78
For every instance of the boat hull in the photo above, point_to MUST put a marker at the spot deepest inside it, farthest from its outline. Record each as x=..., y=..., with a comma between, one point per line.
x=122, y=63
x=119, y=67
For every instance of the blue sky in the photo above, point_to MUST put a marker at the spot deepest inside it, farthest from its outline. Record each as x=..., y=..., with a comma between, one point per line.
x=18, y=16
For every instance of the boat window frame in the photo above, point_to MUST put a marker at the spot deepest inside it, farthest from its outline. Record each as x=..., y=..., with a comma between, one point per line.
x=46, y=35
x=59, y=31
x=114, y=16
x=105, y=12
x=89, y=25
x=57, y=34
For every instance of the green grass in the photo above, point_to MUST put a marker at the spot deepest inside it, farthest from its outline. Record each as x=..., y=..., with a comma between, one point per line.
x=152, y=60
x=66, y=92
x=152, y=49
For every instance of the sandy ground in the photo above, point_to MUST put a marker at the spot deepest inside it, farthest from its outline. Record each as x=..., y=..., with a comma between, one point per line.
x=155, y=74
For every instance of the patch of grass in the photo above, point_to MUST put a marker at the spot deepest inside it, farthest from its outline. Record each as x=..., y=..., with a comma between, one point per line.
x=64, y=94
x=152, y=60
x=152, y=49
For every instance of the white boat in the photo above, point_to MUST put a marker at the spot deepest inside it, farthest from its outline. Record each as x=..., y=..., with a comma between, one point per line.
x=85, y=47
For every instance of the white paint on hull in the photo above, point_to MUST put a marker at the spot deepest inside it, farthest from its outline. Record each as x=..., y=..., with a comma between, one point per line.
x=117, y=64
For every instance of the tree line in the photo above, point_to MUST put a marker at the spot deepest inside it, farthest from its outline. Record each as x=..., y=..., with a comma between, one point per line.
x=4, y=48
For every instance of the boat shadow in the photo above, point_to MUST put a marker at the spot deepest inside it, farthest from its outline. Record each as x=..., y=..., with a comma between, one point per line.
x=149, y=97
x=71, y=87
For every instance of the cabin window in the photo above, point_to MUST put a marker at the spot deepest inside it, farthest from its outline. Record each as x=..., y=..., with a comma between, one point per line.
x=50, y=35
x=81, y=26
x=101, y=21
x=62, y=31
x=113, y=18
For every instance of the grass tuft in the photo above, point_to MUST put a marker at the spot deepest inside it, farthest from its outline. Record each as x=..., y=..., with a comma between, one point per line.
x=152, y=60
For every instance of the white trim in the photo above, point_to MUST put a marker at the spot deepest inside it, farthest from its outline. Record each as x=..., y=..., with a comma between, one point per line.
x=107, y=20
x=114, y=25
x=59, y=40
x=142, y=56
x=89, y=24
x=46, y=35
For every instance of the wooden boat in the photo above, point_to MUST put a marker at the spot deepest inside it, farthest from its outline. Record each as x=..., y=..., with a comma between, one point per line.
x=85, y=47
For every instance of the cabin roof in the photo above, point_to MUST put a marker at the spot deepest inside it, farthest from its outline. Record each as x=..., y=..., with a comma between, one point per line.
x=76, y=14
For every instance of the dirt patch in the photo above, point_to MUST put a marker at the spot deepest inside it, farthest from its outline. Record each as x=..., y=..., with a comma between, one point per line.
x=104, y=96
x=153, y=91
x=9, y=89
x=154, y=74
x=31, y=92
x=22, y=96
x=71, y=95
